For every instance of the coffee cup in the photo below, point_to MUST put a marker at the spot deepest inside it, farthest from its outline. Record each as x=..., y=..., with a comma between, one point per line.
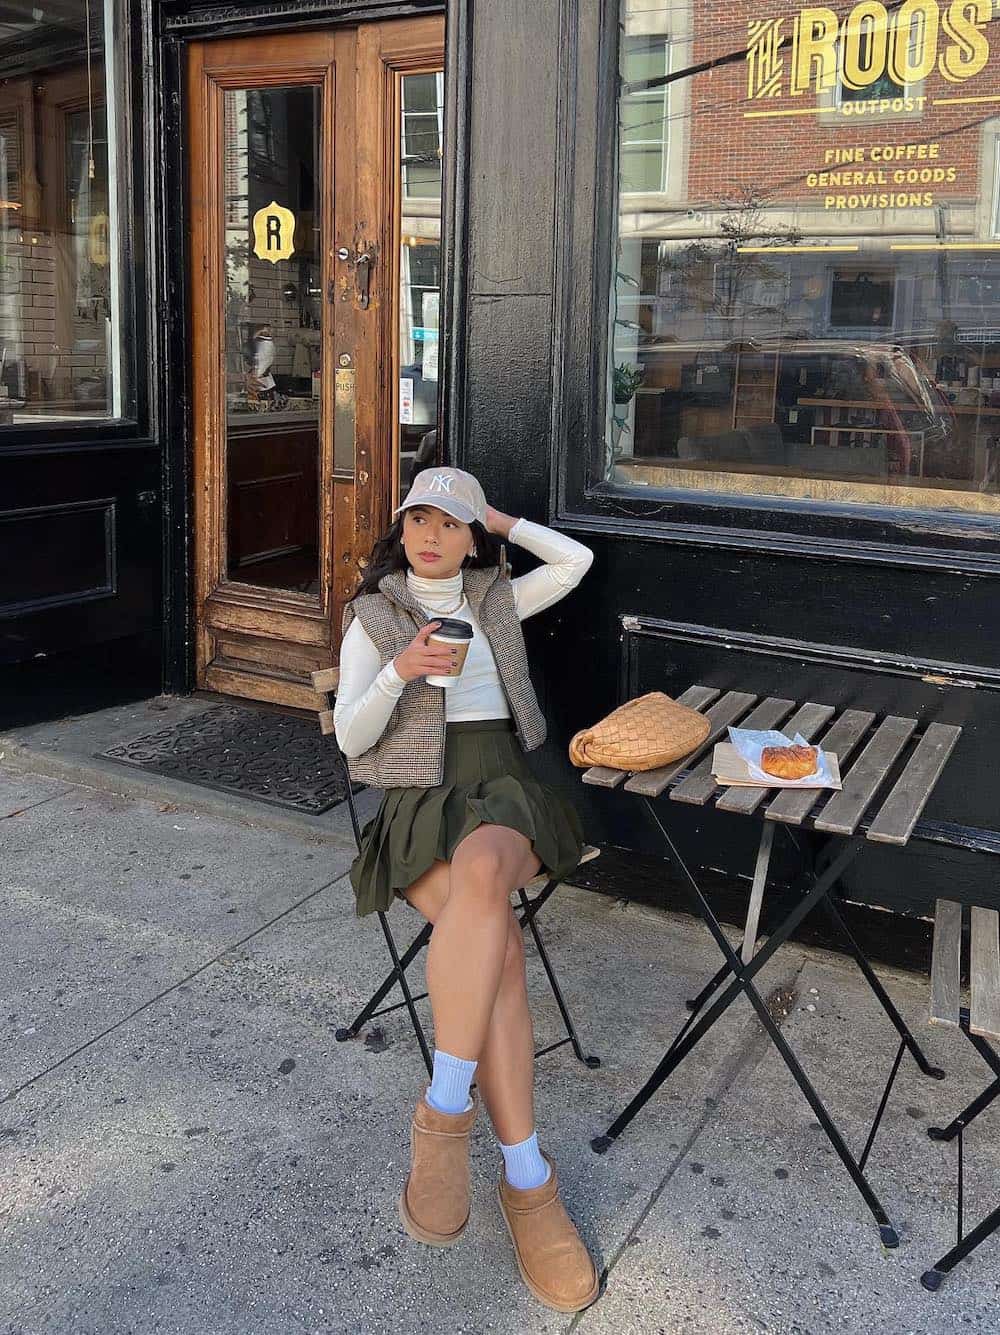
x=457, y=635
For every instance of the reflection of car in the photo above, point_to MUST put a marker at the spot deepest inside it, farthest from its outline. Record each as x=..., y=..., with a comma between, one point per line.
x=807, y=406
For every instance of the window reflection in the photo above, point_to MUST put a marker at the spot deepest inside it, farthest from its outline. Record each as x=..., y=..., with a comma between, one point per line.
x=273, y=320
x=421, y=126
x=806, y=277
x=64, y=351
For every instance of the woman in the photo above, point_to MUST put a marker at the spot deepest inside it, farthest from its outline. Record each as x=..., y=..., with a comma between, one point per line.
x=462, y=823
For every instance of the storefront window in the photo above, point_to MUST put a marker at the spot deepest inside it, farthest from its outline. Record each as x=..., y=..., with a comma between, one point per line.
x=64, y=344
x=805, y=296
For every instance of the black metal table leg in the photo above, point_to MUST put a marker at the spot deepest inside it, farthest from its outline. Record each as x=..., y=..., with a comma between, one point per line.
x=698, y=1024
x=743, y=975
x=885, y=1001
x=859, y=957
x=695, y=1003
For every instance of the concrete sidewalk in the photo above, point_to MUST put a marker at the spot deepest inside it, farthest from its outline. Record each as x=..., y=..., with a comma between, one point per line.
x=185, y=1148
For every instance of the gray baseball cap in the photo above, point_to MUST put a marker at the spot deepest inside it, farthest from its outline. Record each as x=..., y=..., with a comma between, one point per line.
x=449, y=489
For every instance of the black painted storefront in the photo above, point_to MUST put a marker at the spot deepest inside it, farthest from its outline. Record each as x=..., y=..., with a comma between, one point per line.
x=856, y=606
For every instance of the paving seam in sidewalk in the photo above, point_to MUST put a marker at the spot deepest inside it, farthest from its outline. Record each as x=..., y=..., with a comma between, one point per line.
x=138, y=785
x=233, y=945
x=749, y=1055
x=32, y=805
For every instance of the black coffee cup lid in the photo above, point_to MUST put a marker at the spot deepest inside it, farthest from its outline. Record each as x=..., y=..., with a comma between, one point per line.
x=458, y=630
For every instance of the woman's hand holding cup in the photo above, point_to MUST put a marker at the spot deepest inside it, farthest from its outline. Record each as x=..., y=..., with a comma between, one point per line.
x=421, y=658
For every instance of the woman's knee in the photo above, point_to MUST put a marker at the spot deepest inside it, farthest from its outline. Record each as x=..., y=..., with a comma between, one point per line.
x=483, y=869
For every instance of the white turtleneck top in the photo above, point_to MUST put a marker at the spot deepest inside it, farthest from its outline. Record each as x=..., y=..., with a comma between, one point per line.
x=367, y=696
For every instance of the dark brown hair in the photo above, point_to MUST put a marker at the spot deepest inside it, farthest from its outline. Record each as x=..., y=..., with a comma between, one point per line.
x=388, y=554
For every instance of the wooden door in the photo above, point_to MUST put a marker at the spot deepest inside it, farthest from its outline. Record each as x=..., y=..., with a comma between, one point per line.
x=297, y=195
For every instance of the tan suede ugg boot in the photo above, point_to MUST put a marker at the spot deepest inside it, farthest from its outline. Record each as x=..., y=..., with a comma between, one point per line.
x=551, y=1256
x=434, y=1206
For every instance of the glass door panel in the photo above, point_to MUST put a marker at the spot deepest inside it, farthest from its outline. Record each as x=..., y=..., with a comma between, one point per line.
x=272, y=294
x=421, y=108
x=315, y=205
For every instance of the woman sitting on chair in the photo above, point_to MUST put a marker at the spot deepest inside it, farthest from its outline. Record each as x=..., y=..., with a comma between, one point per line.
x=463, y=822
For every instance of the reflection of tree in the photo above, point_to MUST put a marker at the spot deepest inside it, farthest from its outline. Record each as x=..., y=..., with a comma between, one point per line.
x=728, y=276
x=236, y=273
x=238, y=294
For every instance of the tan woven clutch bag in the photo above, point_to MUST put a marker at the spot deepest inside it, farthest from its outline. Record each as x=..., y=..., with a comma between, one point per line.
x=641, y=734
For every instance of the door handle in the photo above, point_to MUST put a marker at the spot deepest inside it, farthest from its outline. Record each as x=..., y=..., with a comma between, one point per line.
x=363, y=276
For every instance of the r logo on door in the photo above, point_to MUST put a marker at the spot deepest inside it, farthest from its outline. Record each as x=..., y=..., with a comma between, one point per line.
x=273, y=232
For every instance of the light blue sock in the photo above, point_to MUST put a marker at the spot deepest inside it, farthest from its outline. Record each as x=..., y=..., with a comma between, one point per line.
x=449, y=1091
x=523, y=1164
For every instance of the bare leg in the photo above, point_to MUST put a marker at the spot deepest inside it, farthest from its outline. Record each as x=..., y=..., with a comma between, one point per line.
x=505, y=1074
x=468, y=946
x=506, y=1070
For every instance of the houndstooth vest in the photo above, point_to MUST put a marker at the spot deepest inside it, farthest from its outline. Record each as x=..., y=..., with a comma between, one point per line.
x=410, y=752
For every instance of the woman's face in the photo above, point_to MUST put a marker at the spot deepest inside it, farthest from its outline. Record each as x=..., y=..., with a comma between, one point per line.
x=435, y=543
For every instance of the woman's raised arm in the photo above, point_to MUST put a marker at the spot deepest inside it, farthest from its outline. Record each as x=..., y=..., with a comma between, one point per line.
x=566, y=563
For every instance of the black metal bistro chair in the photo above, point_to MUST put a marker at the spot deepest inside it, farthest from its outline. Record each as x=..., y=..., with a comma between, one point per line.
x=530, y=899
x=980, y=1023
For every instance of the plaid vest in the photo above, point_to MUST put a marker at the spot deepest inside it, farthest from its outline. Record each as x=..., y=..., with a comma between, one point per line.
x=410, y=752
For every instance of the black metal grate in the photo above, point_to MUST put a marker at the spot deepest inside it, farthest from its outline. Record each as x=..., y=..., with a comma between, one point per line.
x=271, y=757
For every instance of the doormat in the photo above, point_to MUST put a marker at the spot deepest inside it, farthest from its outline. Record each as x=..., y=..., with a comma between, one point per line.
x=269, y=757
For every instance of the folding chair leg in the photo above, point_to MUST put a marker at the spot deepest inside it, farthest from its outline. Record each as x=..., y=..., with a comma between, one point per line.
x=967, y=1115
x=354, y=1028
x=982, y=1101
x=529, y=918
x=400, y=966
x=418, y=1028
x=931, y=1279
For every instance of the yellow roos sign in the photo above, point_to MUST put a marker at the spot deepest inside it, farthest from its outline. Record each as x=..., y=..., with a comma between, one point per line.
x=811, y=51
x=273, y=232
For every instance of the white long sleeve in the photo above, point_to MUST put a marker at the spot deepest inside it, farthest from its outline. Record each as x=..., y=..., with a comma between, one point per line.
x=566, y=563
x=367, y=695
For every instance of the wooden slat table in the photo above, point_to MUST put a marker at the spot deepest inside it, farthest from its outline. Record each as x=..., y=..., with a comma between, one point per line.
x=889, y=769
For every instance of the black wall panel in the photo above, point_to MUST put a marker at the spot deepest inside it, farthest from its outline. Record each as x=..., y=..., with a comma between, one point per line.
x=79, y=553
x=772, y=603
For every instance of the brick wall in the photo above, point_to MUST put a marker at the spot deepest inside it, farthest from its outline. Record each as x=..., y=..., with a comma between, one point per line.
x=727, y=150
x=40, y=327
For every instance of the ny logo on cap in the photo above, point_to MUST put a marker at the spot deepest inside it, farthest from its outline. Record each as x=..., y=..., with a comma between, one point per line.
x=441, y=482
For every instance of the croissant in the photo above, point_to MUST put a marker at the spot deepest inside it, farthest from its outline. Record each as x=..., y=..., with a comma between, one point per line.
x=789, y=762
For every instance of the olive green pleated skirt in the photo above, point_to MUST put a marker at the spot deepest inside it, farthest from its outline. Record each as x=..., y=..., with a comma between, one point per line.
x=487, y=781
